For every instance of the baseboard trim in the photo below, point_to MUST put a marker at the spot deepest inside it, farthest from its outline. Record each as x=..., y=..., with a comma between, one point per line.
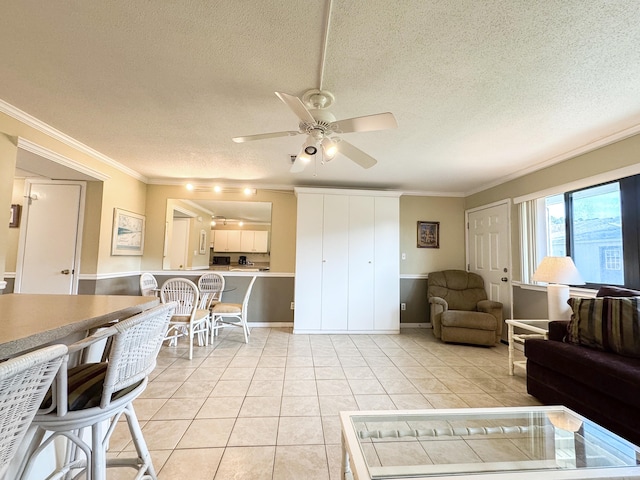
x=415, y=325
x=346, y=332
x=270, y=324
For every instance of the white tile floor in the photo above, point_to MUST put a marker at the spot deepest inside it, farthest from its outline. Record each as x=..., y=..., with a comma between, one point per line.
x=268, y=410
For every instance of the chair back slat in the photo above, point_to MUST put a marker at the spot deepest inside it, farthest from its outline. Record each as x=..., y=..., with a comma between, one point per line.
x=148, y=285
x=245, y=301
x=211, y=286
x=182, y=291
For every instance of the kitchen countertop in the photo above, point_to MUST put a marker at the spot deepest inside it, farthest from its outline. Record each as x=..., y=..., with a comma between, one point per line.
x=236, y=267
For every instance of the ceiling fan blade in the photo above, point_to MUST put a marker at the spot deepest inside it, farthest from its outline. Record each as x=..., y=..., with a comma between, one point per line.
x=262, y=136
x=358, y=156
x=368, y=123
x=296, y=105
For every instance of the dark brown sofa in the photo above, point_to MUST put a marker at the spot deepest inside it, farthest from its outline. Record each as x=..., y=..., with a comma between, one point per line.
x=600, y=385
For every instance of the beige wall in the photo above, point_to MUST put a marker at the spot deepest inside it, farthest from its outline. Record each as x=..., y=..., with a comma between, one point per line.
x=283, y=222
x=119, y=190
x=625, y=153
x=7, y=168
x=449, y=211
x=621, y=154
x=195, y=260
x=14, y=233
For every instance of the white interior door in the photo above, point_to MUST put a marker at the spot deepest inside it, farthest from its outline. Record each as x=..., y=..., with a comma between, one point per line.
x=489, y=251
x=179, y=243
x=49, y=253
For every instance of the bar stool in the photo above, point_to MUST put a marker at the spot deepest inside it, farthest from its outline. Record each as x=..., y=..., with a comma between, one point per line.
x=24, y=381
x=96, y=395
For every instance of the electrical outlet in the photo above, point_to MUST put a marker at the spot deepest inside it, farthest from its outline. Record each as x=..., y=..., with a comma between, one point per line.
x=403, y=306
x=293, y=305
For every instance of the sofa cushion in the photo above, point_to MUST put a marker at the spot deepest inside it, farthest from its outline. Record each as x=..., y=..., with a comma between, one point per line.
x=612, y=291
x=609, y=373
x=606, y=323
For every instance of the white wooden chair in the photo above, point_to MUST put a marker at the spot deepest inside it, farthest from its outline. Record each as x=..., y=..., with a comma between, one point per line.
x=234, y=313
x=211, y=286
x=148, y=285
x=188, y=320
x=24, y=381
x=97, y=395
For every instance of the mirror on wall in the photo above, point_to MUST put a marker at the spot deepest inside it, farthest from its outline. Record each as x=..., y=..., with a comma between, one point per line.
x=217, y=234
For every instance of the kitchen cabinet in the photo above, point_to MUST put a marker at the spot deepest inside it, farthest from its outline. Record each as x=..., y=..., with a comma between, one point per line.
x=347, y=261
x=226, y=241
x=242, y=241
x=254, y=241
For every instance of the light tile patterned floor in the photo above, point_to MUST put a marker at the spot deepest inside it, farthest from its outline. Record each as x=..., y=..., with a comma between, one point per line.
x=268, y=410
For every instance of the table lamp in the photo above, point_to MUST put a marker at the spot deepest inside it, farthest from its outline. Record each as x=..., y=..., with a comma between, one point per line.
x=559, y=273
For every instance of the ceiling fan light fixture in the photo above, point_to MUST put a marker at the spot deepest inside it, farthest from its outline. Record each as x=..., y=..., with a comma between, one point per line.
x=310, y=146
x=329, y=148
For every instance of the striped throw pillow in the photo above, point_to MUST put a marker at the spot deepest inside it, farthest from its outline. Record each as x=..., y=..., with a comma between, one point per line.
x=606, y=323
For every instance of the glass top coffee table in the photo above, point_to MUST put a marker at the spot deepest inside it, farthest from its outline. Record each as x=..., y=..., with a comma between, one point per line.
x=501, y=443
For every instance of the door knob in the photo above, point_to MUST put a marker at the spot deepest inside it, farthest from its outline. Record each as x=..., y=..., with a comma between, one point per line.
x=65, y=272
x=504, y=279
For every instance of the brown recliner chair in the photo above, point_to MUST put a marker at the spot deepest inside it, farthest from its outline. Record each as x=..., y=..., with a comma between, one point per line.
x=460, y=311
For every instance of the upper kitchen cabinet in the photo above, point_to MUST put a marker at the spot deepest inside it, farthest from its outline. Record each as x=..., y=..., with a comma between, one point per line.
x=227, y=241
x=254, y=241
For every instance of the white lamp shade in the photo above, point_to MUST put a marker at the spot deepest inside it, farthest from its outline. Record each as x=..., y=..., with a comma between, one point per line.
x=559, y=270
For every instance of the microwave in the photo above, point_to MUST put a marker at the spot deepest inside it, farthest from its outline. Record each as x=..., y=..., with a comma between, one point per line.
x=221, y=260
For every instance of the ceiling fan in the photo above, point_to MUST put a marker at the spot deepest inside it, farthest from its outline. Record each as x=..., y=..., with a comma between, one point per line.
x=322, y=129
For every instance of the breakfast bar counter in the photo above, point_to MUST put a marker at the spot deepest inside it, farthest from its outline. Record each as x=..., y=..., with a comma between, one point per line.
x=29, y=321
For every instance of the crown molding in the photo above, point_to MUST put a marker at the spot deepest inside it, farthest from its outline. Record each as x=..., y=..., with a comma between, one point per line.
x=39, y=125
x=29, y=146
x=588, y=147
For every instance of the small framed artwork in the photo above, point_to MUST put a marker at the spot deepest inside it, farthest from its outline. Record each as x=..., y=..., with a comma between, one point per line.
x=203, y=242
x=128, y=233
x=428, y=234
x=14, y=216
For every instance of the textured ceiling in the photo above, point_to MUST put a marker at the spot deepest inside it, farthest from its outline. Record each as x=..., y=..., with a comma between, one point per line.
x=481, y=89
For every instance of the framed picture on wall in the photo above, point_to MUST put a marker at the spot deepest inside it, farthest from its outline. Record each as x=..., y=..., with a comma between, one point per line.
x=128, y=233
x=428, y=234
x=203, y=242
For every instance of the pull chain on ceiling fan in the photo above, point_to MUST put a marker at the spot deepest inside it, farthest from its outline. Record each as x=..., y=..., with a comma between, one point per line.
x=320, y=126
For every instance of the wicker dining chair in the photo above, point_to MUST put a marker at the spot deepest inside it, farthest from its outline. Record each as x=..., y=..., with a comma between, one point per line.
x=188, y=320
x=234, y=313
x=24, y=381
x=148, y=285
x=211, y=286
x=97, y=395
